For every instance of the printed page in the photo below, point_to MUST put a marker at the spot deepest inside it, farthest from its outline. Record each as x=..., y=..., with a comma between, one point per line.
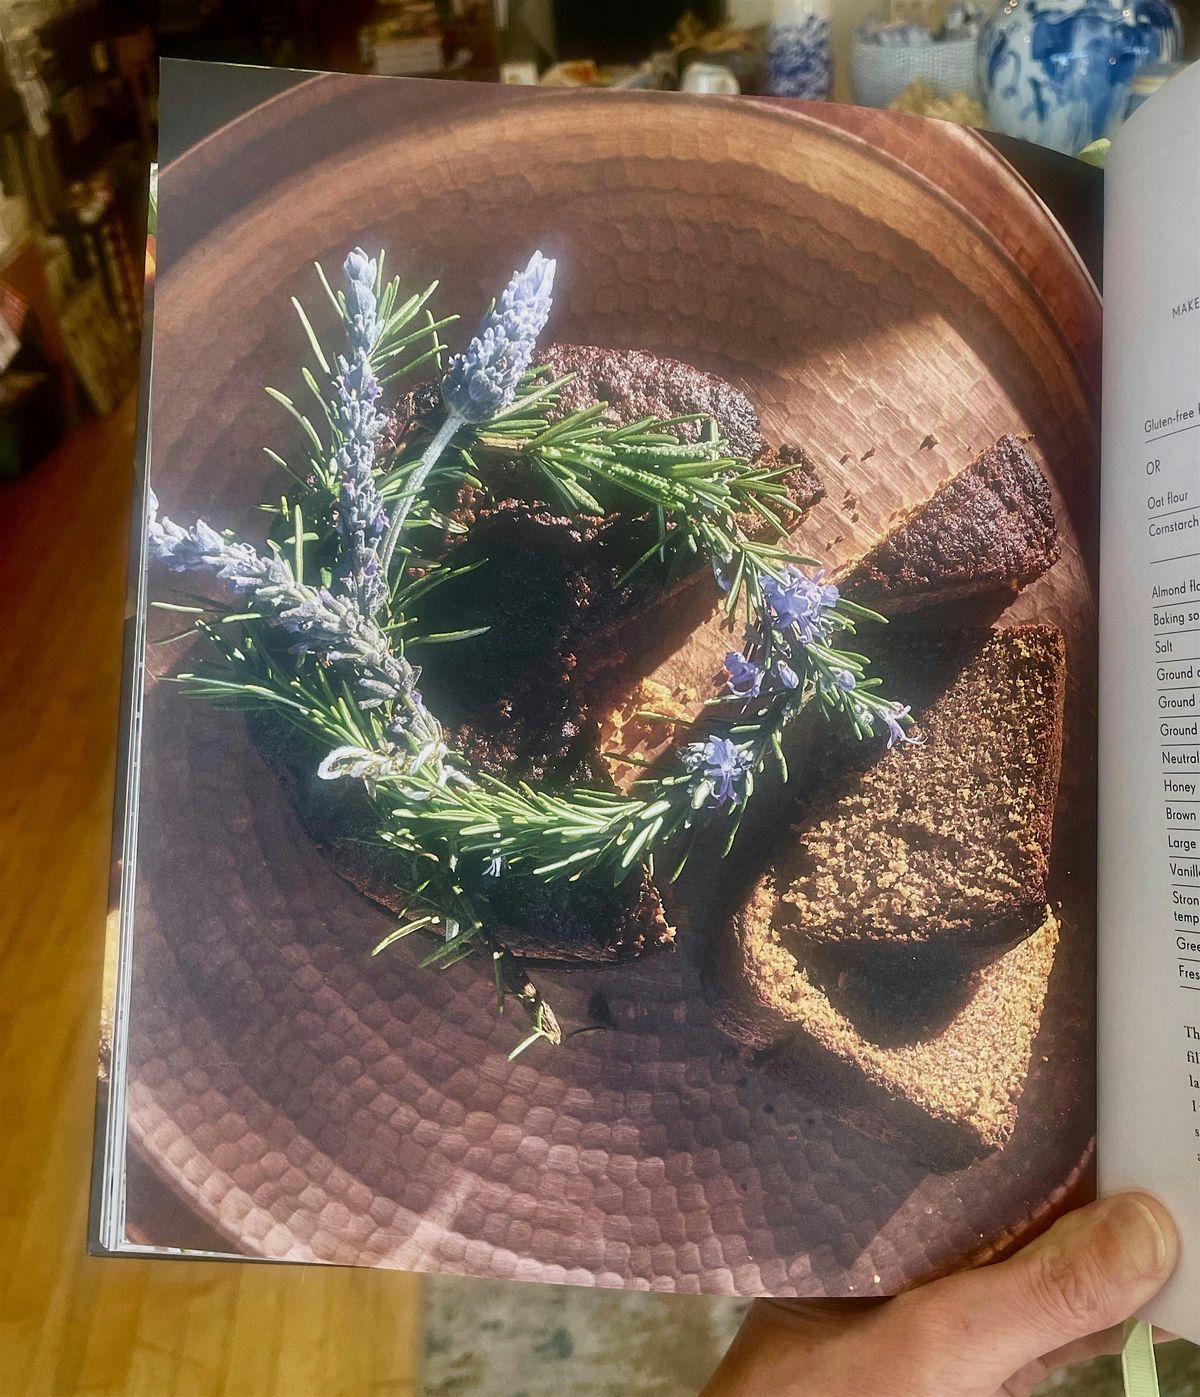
x=1149, y=915
x=385, y=1012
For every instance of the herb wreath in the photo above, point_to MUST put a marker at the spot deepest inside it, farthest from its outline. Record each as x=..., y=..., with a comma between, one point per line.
x=324, y=618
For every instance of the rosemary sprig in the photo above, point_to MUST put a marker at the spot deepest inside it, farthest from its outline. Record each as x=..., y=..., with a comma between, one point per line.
x=438, y=903
x=712, y=778
x=249, y=674
x=556, y=837
x=696, y=494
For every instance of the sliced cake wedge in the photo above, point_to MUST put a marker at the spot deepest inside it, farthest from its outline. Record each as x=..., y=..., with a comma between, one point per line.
x=944, y=843
x=991, y=527
x=901, y=1052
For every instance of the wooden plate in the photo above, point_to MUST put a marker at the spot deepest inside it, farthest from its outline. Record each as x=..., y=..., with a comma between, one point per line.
x=869, y=281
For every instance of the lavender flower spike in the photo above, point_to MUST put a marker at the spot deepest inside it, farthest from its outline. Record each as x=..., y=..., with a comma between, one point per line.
x=484, y=378
x=360, y=516
x=361, y=303
x=323, y=624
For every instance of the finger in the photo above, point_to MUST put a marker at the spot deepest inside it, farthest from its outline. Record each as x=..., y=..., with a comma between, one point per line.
x=1107, y=1341
x=1089, y=1272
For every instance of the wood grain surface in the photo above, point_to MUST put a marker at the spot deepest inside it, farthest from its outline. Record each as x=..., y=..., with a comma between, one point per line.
x=868, y=282
x=70, y=1323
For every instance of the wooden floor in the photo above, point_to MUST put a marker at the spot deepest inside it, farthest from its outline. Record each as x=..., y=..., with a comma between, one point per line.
x=70, y=1323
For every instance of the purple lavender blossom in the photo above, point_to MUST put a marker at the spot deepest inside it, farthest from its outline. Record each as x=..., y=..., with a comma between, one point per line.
x=323, y=623
x=801, y=601
x=179, y=550
x=745, y=677
x=361, y=518
x=484, y=378
x=786, y=675
x=202, y=549
x=721, y=767
x=361, y=272
x=890, y=719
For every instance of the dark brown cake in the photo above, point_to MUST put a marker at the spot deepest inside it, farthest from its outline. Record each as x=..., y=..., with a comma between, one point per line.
x=947, y=842
x=989, y=527
x=548, y=589
x=636, y=384
x=910, y=1052
x=560, y=625
x=589, y=920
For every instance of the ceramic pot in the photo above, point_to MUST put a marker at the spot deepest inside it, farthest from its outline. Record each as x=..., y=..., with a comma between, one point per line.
x=800, y=50
x=1059, y=74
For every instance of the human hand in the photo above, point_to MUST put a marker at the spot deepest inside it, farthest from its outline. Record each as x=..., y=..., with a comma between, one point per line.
x=994, y=1332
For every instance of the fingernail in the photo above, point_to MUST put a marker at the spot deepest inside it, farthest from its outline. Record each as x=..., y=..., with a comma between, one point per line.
x=1129, y=1240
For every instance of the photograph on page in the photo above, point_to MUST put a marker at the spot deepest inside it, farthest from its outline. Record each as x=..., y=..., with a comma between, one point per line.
x=615, y=792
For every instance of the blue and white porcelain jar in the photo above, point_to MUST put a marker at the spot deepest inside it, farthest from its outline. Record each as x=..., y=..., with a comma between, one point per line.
x=1059, y=73
x=800, y=49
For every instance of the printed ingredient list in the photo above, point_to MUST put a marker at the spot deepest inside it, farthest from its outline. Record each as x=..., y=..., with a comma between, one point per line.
x=1149, y=885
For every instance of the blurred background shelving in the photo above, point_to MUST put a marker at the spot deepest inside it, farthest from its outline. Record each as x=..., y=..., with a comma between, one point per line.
x=78, y=126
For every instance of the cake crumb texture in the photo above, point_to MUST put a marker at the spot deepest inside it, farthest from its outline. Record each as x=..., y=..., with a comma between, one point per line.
x=950, y=839
x=965, y=1072
x=990, y=526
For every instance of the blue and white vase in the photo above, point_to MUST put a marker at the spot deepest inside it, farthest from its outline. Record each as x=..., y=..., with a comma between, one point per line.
x=800, y=50
x=1059, y=73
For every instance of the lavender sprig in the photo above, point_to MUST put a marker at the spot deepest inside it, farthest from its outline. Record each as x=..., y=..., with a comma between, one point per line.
x=791, y=653
x=381, y=344
x=483, y=379
x=362, y=304
x=360, y=517
x=323, y=624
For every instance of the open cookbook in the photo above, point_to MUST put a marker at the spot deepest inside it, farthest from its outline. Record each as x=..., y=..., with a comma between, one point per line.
x=625, y=640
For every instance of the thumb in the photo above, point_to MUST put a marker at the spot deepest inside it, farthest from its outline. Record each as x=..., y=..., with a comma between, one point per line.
x=1091, y=1270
